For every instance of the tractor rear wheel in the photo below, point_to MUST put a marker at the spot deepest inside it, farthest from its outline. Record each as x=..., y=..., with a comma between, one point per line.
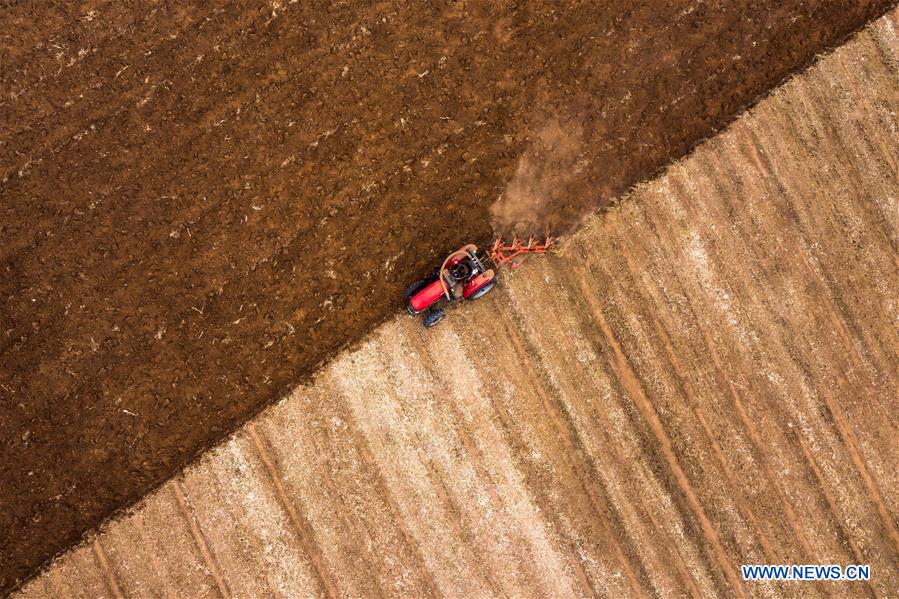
x=483, y=290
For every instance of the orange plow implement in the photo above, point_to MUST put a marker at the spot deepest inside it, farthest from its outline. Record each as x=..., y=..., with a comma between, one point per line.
x=502, y=254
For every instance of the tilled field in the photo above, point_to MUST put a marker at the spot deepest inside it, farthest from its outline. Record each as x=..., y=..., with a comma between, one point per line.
x=201, y=202
x=704, y=377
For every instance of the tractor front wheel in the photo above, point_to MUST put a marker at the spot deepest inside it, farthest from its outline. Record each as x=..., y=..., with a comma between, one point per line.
x=414, y=288
x=433, y=318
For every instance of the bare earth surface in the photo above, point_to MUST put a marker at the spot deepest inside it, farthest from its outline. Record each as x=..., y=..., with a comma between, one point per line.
x=201, y=202
x=705, y=377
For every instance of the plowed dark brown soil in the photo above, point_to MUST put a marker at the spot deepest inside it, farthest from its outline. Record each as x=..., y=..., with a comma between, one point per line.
x=201, y=204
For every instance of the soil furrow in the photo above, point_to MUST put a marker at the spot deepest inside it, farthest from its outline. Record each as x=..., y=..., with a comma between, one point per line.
x=199, y=539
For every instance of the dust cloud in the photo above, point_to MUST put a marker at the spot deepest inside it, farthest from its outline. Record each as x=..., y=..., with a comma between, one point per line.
x=534, y=201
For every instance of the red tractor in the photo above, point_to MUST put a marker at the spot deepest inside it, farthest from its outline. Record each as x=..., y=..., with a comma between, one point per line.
x=463, y=276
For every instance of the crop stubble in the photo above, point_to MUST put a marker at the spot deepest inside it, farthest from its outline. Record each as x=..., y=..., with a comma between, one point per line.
x=705, y=377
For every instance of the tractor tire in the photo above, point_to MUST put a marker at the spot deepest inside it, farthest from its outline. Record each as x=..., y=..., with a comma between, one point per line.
x=483, y=290
x=433, y=318
x=413, y=289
